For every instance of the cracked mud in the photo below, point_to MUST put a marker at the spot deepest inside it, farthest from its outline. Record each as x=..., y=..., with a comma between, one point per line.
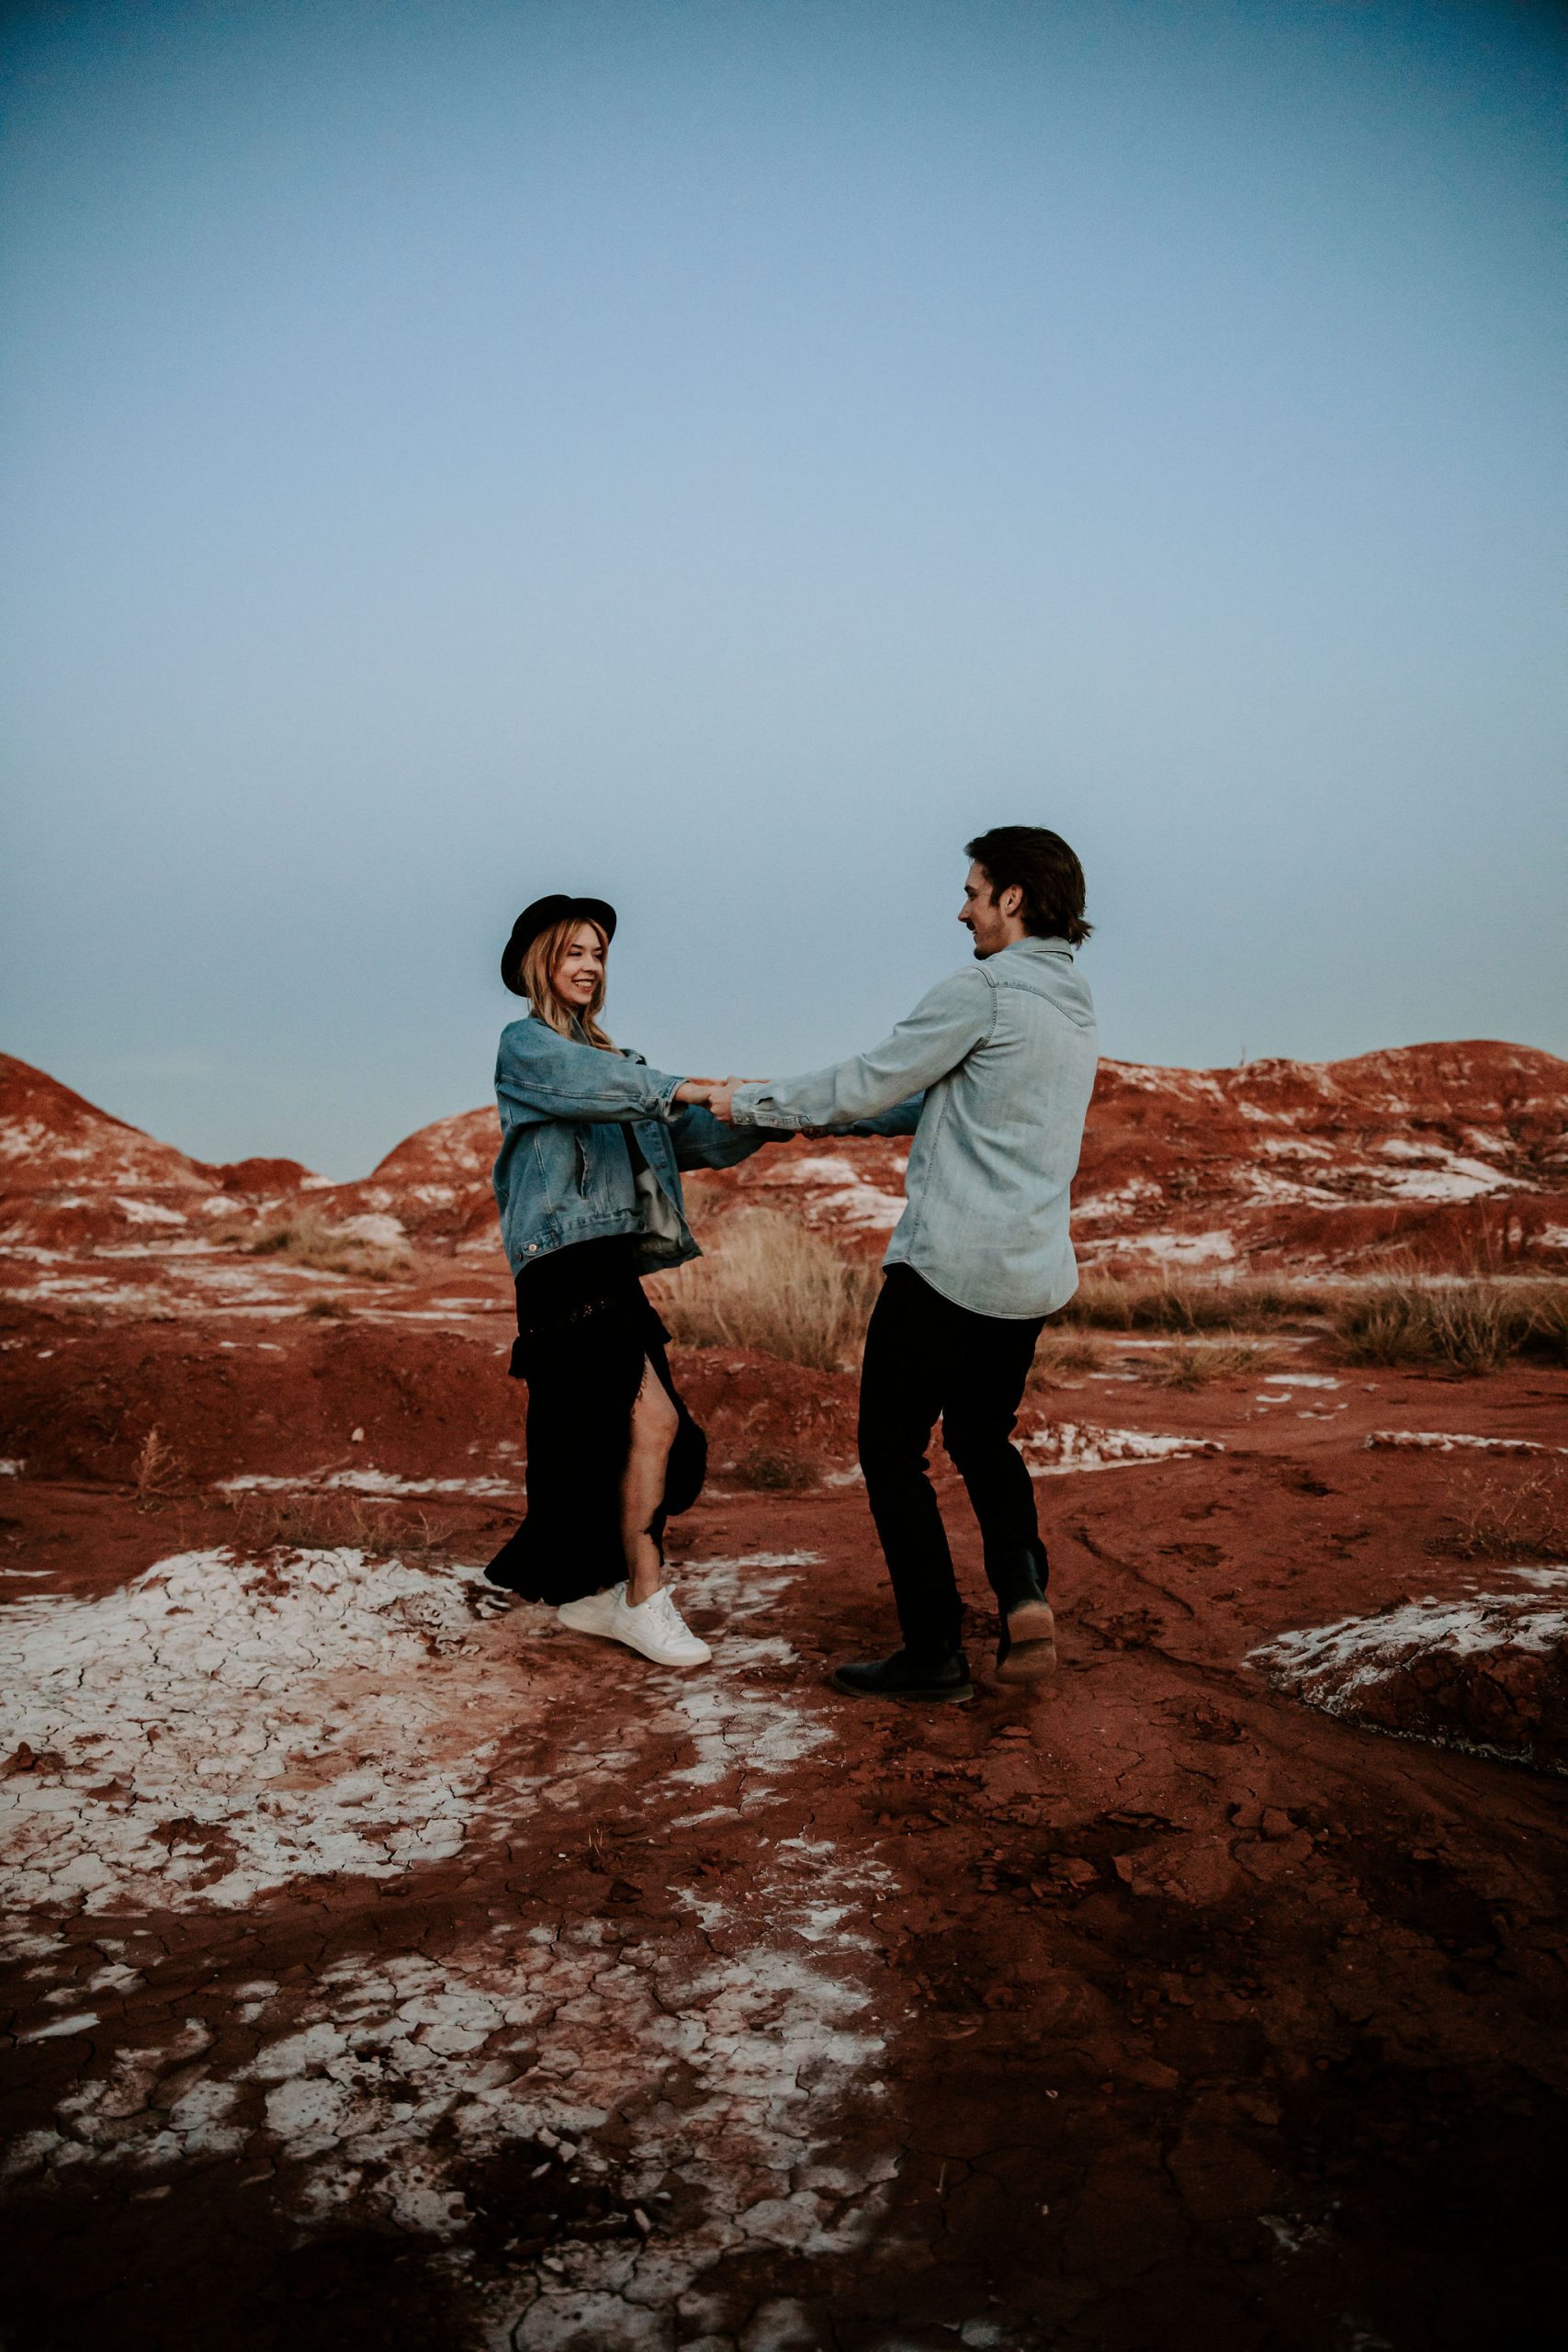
x=389, y=1968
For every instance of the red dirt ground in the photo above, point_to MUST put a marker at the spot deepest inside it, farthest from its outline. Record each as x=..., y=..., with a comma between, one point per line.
x=389, y=1969
x=1163, y=2011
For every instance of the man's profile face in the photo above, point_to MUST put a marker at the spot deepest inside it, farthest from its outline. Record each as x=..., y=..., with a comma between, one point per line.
x=987, y=925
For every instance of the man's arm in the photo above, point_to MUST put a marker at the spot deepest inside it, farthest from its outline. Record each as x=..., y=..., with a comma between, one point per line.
x=947, y=1024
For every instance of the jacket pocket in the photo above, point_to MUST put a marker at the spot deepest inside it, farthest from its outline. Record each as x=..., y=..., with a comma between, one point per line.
x=580, y=1150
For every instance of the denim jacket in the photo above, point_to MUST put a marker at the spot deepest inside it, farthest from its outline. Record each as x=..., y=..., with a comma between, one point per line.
x=991, y=1073
x=564, y=1173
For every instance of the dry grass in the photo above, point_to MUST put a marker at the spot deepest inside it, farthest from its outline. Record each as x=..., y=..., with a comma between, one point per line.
x=1459, y=1327
x=156, y=1472
x=1106, y=1305
x=770, y=1283
x=1064, y=1356
x=1193, y=1364
x=305, y=1238
x=769, y=1469
x=311, y=1523
x=1502, y=1519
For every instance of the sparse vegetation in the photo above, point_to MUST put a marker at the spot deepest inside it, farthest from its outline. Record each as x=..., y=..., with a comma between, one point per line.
x=1465, y=1326
x=1062, y=1355
x=769, y=1282
x=310, y=1522
x=1189, y=1363
x=1501, y=1519
x=157, y=1471
x=1106, y=1305
x=771, y=1470
x=305, y=1238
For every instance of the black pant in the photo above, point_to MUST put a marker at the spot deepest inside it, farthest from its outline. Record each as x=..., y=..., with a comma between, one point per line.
x=925, y=1357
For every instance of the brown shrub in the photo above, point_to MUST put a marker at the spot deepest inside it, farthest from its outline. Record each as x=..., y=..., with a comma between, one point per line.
x=770, y=1283
x=1106, y=1305
x=1467, y=1328
x=335, y=1521
x=1194, y=1363
x=304, y=1237
x=156, y=1472
x=1059, y=1356
x=1499, y=1518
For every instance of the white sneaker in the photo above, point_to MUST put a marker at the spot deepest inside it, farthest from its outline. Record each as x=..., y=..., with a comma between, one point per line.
x=594, y=1614
x=657, y=1628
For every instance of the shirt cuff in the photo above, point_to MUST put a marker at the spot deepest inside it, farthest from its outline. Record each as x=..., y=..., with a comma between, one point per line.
x=752, y=1106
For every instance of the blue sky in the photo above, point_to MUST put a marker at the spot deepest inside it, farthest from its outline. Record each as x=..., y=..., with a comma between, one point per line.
x=721, y=456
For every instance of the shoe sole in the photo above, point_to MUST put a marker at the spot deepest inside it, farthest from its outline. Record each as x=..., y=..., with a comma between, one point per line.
x=581, y=1624
x=677, y=1663
x=1031, y=1652
x=955, y=1695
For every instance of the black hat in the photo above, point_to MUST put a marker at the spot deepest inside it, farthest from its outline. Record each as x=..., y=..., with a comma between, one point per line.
x=554, y=908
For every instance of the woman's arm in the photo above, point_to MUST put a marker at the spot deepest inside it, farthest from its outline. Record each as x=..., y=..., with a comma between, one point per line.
x=703, y=1141
x=543, y=1075
x=902, y=1120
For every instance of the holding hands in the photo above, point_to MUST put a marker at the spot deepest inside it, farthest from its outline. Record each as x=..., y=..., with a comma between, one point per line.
x=716, y=1094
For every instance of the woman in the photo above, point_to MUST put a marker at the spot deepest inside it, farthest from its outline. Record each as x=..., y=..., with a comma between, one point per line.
x=589, y=1189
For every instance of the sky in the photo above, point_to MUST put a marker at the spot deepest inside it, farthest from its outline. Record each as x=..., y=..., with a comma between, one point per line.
x=722, y=454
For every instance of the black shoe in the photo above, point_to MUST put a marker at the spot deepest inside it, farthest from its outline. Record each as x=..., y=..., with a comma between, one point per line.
x=902, y=1677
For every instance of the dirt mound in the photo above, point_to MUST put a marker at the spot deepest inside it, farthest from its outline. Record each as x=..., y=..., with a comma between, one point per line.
x=53, y=1141
x=1487, y=1672
x=73, y=1178
x=1448, y=1155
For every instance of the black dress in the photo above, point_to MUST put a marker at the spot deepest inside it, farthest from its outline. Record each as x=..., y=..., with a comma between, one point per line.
x=585, y=1329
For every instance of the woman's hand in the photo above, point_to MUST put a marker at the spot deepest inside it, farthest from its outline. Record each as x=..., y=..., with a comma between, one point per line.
x=695, y=1090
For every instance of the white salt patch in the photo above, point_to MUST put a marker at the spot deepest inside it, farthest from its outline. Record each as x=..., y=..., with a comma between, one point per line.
x=1065, y=1446
x=769, y=2005
x=149, y=1213
x=1451, y=1441
x=1184, y=1249
x=13, y=1464
x=854, y=1199
x=362, y=1482
x=1301, y=1380
x=290, y=1718
x=1328, y=1665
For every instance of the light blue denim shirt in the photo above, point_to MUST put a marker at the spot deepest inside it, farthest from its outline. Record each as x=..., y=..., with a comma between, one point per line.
x=992, y=1073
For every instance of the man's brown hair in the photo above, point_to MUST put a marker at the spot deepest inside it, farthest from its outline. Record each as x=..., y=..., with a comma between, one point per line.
x=1044, y=869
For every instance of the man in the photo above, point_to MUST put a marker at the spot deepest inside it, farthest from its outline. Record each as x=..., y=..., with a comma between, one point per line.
x=992, y=1073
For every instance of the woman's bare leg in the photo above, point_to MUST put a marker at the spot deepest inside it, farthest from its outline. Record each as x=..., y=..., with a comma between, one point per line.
x=654, y=1424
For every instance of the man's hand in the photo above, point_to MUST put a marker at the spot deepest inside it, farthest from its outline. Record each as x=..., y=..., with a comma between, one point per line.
x=721, y=1098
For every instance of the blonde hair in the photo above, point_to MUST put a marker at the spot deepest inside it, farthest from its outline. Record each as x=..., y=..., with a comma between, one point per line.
x=537, y=972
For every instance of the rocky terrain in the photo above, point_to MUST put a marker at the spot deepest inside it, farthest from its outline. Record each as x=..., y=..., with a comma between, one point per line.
x=387, y=1968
